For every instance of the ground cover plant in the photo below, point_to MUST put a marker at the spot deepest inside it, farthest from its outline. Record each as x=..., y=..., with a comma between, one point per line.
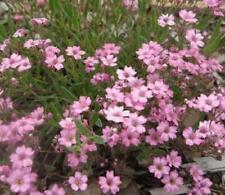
x=105, y=95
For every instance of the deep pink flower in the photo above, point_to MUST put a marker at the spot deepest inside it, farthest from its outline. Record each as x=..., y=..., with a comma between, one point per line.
x=109, y=183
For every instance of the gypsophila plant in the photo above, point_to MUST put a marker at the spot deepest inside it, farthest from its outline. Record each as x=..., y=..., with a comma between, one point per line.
x=104, y=92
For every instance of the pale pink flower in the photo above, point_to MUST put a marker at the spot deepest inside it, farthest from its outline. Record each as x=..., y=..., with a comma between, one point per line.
x=207, y=103
x=159, y=167
x=75, y=52
x=116, y=114
x=67, y=138
x=90, y=63
x=41, y=2
x=131, y=4
x=39, y=21
x=166, y=20
x=211, y=3
x=129, y=138
x=114, y=94
x=78, y=181
x=188, y=16
x=196, y=173
x=141, y=94
x=167, y=131
x=18, y=17
x=191, y=138
x=109, y=183
x=67, y=123
x=195, y=38
x=154, y=137
x=20, y=33
x=21, y=180
x=110, y=136
x=80, y=106
x=23, y=157
x=75, y=159
x=55, y=190
x=174, y=159
x=172, y=182
x=111, y=48
x=55, y=62
x=135, y=122
x=109, y=60
x=126, y=74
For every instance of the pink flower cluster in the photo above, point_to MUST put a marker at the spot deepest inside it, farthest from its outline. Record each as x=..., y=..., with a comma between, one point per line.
x=15, y=61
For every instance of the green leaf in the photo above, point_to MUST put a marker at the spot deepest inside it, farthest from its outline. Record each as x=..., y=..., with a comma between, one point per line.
x=98, y=139
x=95, y=120
x=83, y=130
x=214, y=42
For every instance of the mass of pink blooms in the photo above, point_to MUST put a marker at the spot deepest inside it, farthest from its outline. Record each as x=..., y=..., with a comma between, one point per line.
x=136, y=109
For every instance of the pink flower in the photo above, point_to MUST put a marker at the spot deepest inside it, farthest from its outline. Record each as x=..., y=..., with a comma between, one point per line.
x=172, y=182
x=154, y=137
x=90, y=63
x=67, y=123
x=131, y=4
x=20, y=33
x=114, y=94
x=159, y=167
x=111, y=48
x=55, y=62
x=78, y=181
x=23, y=157
x=188, y=16
x=135, y=122
x=211, y=3
x=196, y=173
x=116, y=114
x=109, y=60
x=191, y=138
x=109, y=183
x=55, y=190
x=67, y=138
x=21, y=180
x=75, y=52
x=166, y=20
x=173, y=159
x=75, y=159
x=195, y=38
x=203, y=186
x=110, y=136
x=141, y=94
x=129, y=138
x=80, y=106
x=41, y=2
x=207, y=103
x=167, y=131
x=126, y=74
x=39, y=21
